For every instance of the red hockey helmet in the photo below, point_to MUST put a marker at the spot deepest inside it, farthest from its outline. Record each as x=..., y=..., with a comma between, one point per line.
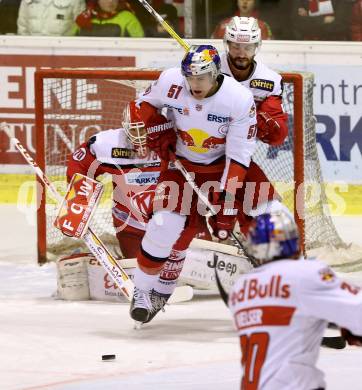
x=133, y=125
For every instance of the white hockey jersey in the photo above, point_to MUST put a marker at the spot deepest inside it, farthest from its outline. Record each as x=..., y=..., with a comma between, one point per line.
x=222, y=124
x=263, y=81
x=281, y=310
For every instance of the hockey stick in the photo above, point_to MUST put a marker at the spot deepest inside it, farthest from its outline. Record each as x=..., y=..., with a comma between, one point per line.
x=165, y=25
x=178, y=164
x=95, y=245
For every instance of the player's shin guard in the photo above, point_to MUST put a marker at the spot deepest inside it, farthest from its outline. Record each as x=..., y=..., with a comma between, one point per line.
x=162, y=232
x=166, y=282
x=170, y=272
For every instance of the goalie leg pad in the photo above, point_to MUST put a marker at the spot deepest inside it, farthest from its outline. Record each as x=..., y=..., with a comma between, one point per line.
x=72, y=277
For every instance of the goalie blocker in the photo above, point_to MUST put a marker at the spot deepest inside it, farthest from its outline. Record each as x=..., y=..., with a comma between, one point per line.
x=78, y=206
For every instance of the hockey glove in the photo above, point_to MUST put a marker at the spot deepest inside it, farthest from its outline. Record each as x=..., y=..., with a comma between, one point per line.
x=351, y=338
x=266, y=126
x=222, y=224
x=161, y=137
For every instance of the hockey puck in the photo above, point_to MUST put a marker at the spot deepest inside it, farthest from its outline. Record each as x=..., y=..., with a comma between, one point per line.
x=108, y=357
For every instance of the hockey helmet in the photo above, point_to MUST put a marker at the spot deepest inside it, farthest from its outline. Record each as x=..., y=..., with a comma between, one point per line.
x=243, y=30
x=201, y=59
x=133, y=124
x=273, y=236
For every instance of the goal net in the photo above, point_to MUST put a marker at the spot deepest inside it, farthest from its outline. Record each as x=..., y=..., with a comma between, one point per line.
x=72, y=105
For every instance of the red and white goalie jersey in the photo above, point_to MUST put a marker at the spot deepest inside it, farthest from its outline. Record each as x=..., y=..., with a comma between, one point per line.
x=220, y=125
x=134, y=176
x=281, y=310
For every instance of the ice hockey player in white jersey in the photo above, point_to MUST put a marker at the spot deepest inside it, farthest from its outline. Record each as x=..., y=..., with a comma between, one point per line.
x=211, y=127
x=135, y=170
x=242, y=40
x=282, y=308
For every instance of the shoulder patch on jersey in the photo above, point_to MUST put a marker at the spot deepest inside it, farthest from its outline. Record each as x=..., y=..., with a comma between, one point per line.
x=79, y=154
x=122, y=153
x=327, y=275
x=265, y=85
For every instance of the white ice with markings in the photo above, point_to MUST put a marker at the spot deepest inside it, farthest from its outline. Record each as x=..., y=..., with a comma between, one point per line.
x=50, y=344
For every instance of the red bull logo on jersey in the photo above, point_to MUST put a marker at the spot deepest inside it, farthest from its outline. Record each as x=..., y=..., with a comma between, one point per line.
x=253, y=288
x=199, y=141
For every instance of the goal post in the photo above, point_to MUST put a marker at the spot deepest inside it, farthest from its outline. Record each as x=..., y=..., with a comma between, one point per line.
x=73, y=104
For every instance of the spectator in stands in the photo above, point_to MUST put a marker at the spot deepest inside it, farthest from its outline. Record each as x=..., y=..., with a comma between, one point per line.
x=277, y=14
x=8, y=16
x=169, y=13
x=356, y=21
x=244, y=8
x=324, y=20
x=109, y=18
x=49, y=17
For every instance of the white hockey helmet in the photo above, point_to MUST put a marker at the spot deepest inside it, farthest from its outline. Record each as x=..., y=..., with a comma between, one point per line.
x=273, y=236
x=133, y=125
x=243, y=30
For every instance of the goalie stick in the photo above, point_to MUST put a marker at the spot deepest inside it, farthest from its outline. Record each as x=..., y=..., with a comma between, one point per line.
x=334, y=342
x=96, y=246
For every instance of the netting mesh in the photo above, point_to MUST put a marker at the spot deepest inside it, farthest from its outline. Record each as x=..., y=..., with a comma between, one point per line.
x=278, y=164
x=76, y=108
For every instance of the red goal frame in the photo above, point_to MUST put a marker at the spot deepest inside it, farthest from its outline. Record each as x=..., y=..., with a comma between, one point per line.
x=298, y=135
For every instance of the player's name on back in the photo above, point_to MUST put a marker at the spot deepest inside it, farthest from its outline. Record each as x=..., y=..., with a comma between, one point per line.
x=253, y=288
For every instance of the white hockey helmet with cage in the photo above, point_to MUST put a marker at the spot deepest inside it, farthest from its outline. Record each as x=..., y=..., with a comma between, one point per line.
x=133, y=125
x=243, y=30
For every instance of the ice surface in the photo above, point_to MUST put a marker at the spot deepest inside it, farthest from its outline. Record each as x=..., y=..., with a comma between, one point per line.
x=51, y=344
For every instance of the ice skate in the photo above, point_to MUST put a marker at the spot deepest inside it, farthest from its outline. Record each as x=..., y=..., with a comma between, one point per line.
x=158, y=301
x=141, y=305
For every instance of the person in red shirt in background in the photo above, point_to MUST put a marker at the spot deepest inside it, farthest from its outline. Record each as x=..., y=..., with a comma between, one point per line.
x=244, y=8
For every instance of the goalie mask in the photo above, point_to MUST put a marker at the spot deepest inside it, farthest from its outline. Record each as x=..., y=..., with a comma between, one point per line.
x=133, y=125
x=244, y=32
x=273, y=236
